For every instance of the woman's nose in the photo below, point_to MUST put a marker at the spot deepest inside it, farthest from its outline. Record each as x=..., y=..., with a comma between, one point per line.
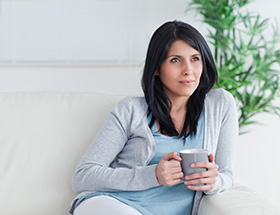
x=187, y=69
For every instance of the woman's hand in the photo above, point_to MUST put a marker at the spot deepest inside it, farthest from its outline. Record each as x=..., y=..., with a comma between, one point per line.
x=208, y=178
x=169, y=171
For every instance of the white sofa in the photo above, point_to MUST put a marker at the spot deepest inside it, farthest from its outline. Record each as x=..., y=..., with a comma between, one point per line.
x=42, y=137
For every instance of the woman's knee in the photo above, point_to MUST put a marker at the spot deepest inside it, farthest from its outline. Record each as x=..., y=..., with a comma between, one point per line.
x=104, y=205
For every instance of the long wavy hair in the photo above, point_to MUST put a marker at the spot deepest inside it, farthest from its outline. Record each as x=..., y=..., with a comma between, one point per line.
x=159, y=105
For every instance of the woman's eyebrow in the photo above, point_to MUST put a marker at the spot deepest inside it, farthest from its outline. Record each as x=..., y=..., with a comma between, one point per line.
x=196, y=54
x=179, y=56
x=174, y=55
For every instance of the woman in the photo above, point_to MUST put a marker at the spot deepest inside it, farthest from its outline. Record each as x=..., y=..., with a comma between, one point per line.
x=133, y=166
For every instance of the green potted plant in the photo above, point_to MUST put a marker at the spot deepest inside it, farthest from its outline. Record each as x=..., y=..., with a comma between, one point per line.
x=247, y=61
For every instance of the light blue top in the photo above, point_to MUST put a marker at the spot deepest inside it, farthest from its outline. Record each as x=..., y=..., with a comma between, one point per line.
x=163, y=200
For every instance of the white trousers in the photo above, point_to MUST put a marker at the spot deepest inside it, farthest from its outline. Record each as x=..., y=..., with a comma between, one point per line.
x=104, y=205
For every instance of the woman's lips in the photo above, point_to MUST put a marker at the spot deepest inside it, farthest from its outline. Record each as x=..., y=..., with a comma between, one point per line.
x=187, y=82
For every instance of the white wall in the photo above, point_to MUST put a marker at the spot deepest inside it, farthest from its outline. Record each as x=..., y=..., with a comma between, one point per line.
x=257, y=159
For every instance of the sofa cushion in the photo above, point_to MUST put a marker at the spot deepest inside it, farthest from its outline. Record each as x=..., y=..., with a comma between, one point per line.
x=240, y=200
x=42, y=137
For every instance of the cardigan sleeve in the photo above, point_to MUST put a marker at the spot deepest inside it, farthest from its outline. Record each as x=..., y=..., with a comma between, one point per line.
x=224, y=139
x=94, y=171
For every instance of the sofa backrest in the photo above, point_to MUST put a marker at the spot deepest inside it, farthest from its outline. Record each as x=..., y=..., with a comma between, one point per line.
x=42, y=137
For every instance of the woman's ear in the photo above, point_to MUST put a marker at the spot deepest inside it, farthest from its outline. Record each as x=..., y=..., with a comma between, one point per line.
x=157, y=73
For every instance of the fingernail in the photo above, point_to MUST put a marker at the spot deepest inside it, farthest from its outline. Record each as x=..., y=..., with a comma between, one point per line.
x=192, y=165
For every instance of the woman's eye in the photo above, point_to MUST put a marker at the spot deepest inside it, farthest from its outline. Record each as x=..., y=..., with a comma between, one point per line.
x=195, y=59
x=174, y=60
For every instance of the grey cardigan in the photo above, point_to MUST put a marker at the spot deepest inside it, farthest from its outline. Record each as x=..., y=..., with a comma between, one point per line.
x=117, y=159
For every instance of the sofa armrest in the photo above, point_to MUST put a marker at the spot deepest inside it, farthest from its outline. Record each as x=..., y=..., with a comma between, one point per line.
x=240, y=200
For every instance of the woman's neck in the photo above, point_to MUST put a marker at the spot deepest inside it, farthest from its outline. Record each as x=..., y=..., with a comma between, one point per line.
x=178, y=113
x=178, y=105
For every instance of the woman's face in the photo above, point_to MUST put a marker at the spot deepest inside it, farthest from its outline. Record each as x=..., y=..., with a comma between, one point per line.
x=180, y=72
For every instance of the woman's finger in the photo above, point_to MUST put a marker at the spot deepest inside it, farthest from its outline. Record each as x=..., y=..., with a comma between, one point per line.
x=205, y=179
